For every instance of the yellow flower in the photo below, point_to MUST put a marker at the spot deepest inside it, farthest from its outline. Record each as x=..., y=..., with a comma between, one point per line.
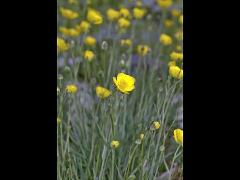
x=88, y=55
x=62, y=45
x=155, y=125
x=141, y=136
x=175, y=56
x=124, y=83
x=178, y=136
x=142, y=50
x=123, y=23
x=72, y=88
x=175, y=12
x=72, y=1
x=168, y=23
x=126, y=42
x=69, y=31
x=165, y=39
x=125, y=13
x=172, y=63
x=179, y=35
x=164, y=3
x=83, y=27
x=176, y=72
x=115, y=144
x=59, y=120
x=178, y=48
x=139, y=3
x=138, y=13
x=94, y=17
x=102, y=92
x=112, y=14
x=90, y=41
x=181, y=19
x=69, y=14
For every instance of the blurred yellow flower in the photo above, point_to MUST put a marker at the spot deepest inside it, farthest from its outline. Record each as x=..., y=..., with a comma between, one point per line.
x=175, y=56
x=58, y=120
x=175, y=12
x=155, y=125
x=142, y=50
x=141, y=136
x=172, y=63
x=125, y=13
x=179, y=48
x=181, y=19
x=62, y=45
x=102, y=92
x=179, y=35
x=165, y=39
x=123, y=23
x=94, y=17
x=58, y=90
x=71, y=88
x=69, y=14
x=176, y=72
x=90, y=41
x=83, y=27
x=69, y=31
x=126, y=42
x=113, y=14
x=164, y=3
x=139, y=3
x=138, y=13
x=168, y=23
x=115, y=144
x=88, y=55
x=124, y=83
x=72, y=1
x=178, y=136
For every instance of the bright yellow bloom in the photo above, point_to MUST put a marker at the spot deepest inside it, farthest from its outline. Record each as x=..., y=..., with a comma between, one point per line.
x=124, y=83
x=126, y=42
x=175, y=56
x=69, y=14
x=69, y=31
x=164, y=3
x=90, y=41
x=138, y=13
x=59, y=120
x=112, y=14
x=88, y=55
x=123, y=23
x=165, y=39
x=172, y=63
x=94, y=17
x=155, y=125
x=168, y=23
x=62, y=45
x=175, y=12
x=102, y=92
x=176, y=72
x=115, y=144
x=178, y=136
x=83, y=27
x=72, y=88
x=125, y=13
x=141, y=136
x=142, y=50
x=181, y=19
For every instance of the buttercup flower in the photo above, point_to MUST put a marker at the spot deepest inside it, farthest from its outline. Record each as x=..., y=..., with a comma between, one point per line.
x=69, y=14
x=168, y=23
x=176, y=72
x=69, y=31
x=90, y=41
x=102, y=92
x=123, y=23
x=141, y=136
x=175, y=56
x=175, y=12
x=178, y=136
x=112, y=14
x=124, y=83
x=88, y=55
x=115, y=144
x=126, y=42
x=94, y=17
x=83, y=27
x=125, y=13
x=59, y=120
x=164, y=3
x=72, y=88
x=72, y=1
x=142, y=50
x=178, y=48
x=179, y=35
x=62, y=45
x=172, y=63
x=181, y=19
x=165, y=39
x=138, y=13
x=155, y=125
